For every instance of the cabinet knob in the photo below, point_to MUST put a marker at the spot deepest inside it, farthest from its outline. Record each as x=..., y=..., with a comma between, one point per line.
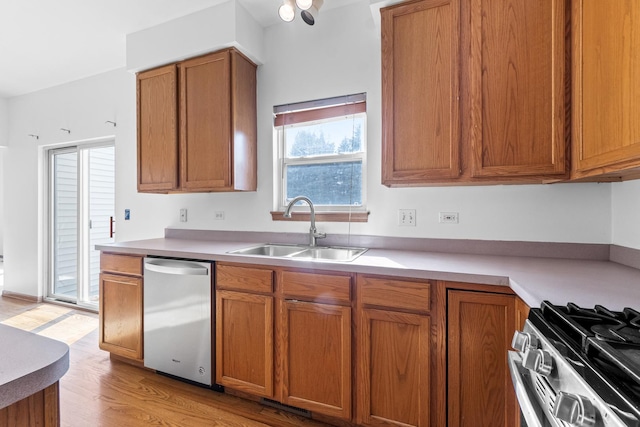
x=523, y=341
x=539, y=361
x=574, y=409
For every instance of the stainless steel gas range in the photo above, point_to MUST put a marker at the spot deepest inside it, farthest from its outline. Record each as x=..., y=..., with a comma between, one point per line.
x=579, y=367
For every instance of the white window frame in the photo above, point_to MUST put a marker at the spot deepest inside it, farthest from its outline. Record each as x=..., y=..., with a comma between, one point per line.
x=283, y=162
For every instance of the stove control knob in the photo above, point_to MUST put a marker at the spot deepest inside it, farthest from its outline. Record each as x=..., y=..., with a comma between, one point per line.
x=574, y=409
x=539, y=361
x=523, y=341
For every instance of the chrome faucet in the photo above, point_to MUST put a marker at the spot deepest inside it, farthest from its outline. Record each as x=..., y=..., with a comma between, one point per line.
x=313, y=233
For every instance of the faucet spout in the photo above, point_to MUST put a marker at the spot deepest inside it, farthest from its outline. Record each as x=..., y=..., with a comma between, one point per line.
x=313, y=232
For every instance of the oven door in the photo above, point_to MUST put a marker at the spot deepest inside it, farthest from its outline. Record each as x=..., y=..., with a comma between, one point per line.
x=531, y=413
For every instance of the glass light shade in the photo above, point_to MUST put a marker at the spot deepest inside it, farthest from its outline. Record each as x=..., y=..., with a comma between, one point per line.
x=310, y=15
x=304, y=4
x=287, y=12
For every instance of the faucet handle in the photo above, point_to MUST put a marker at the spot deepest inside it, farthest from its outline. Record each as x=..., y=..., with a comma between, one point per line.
x=319, y=235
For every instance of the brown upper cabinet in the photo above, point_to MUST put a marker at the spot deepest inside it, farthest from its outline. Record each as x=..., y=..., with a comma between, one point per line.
x=420, y=67
x=606, y=90
x=517, y=82
x=478, y=102
x=197, y=125
x=158, y=129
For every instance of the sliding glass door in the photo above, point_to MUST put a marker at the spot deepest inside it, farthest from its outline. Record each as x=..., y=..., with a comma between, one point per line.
x=82, y=199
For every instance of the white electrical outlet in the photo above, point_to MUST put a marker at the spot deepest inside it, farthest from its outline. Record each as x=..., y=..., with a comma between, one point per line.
x=183, y=215
x=218, y=215
x=448, y=217
x=407, y=217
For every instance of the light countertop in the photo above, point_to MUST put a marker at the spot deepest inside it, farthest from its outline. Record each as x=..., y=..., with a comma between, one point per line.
x=583, y=282
x=28, y=363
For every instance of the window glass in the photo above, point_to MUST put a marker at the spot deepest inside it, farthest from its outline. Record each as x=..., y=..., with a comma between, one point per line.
x=338, y=183
x=322, y=157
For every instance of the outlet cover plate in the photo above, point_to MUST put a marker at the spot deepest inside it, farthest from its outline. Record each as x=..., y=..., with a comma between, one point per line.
x=449, y=217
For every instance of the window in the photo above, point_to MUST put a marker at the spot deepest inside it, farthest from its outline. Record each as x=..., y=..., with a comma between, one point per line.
x=322, y=153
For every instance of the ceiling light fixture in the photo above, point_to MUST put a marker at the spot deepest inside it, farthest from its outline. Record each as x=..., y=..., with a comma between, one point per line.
x=287, y=11
x=309, y=10
x=304, y=4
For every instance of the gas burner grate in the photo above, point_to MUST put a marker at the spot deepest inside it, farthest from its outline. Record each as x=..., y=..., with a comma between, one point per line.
x=619, y=327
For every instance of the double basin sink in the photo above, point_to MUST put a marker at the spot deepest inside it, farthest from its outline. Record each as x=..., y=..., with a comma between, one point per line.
x=301, y=252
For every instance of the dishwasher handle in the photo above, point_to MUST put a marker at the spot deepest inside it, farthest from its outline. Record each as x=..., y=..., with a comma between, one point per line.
x=171, y=266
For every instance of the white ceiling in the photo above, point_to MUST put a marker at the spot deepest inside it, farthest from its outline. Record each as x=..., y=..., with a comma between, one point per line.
x=45, y=43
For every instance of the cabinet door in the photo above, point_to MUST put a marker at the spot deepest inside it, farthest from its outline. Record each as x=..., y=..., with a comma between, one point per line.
x=121, y=315
x=157, y=96
x=420, y=120
x=480, y=328
x=244, y=342
x=394, y=363
x=517, y=87
x=205, y=122
x=606, y=78
x=316, y=351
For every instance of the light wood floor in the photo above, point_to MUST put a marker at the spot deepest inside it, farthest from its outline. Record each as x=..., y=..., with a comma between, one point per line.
x=99, y=392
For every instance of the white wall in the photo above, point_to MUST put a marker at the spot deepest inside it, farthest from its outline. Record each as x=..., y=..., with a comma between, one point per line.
x=340, y=55
x=4, y=140
x=2, y=151
x=4, y=122
x=83, y=107
x=625, y=223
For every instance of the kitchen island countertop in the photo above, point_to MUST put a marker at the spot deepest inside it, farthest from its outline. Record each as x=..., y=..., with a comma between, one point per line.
x=534, y=279
x=28, y=363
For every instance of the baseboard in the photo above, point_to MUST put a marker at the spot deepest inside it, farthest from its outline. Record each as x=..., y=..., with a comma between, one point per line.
x=22, y=297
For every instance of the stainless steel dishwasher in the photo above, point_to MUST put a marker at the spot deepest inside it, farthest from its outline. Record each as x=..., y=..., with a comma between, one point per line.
x=177, y=318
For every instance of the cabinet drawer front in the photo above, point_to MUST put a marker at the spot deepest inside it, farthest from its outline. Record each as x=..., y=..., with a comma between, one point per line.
x=316, y=287
x=244, y=278
x=124, y=264
x=394, y=293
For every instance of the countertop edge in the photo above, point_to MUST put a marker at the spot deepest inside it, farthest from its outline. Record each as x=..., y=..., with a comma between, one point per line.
x=50, y=366
x=585, y=282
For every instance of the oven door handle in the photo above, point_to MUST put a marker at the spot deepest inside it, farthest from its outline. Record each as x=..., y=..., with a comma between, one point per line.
x=531, y=411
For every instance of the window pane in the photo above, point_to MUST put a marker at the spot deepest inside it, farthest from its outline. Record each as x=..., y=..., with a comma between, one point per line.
x=65, y=224
x=101, y=208
x=338, y=183
x=343, y=135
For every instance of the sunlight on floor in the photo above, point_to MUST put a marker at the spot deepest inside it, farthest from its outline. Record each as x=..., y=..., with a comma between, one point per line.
x=60, y=323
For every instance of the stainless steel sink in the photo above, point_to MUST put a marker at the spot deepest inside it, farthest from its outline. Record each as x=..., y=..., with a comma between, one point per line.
x=270, y=250
x=301, y=252
x=330, y=253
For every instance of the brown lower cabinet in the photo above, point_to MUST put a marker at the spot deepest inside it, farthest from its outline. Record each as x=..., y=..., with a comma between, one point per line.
x=480, y=328
x=354, y=349
x=245, y=345
x=245, y=329
x=120, y=318
x=316, y=353
x=394, y=357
